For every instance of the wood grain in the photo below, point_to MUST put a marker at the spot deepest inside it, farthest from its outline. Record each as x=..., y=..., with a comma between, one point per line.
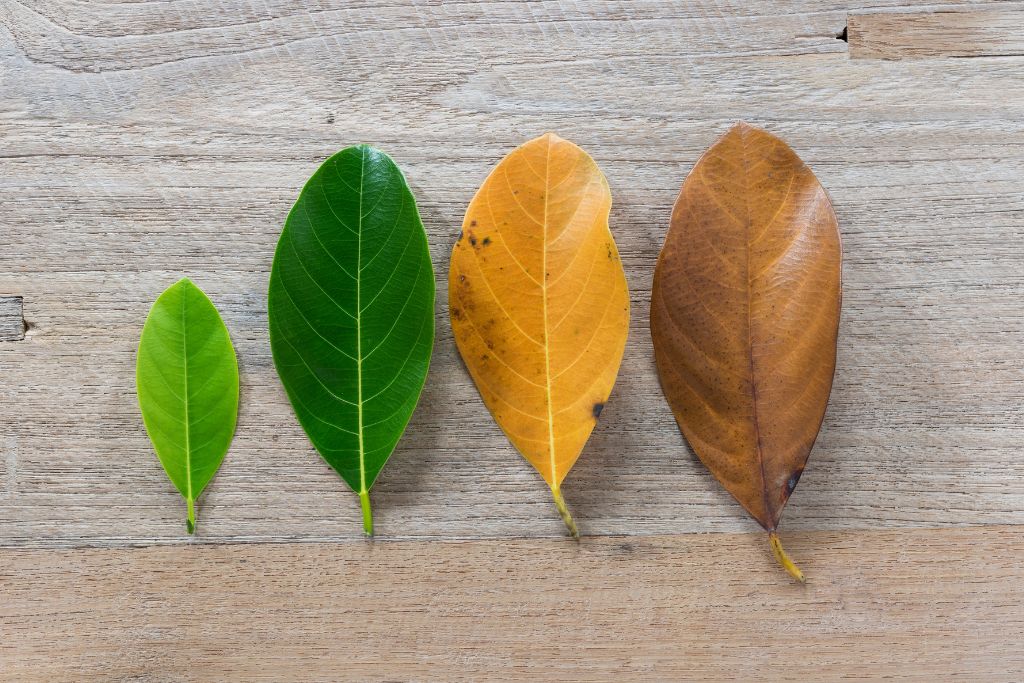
x=12, y=321
x=144, y=141
x=993, y=30
x=913, y=605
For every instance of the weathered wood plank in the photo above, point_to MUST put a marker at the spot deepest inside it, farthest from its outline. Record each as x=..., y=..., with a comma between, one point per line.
x=143, y=141
x=114, y=37
x=12, y=320
x=993, y=30
x=920, y=605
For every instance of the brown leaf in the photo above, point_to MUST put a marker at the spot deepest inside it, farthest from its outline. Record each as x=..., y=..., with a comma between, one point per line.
x=745, y=315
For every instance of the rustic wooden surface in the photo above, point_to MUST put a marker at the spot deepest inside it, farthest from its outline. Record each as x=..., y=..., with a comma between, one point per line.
x=142, y=141
x=12, y=324
x=923, y=605
x=991, y=31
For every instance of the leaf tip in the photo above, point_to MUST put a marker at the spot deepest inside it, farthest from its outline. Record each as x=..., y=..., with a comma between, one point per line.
x=742, y=128
x=371, y=153
x=551, y=138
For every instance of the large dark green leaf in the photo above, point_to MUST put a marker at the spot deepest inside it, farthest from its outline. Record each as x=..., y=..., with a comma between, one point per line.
x=351, y=311
x=187, y=379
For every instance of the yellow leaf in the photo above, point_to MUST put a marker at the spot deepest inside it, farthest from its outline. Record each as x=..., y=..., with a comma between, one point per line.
x=539, y=303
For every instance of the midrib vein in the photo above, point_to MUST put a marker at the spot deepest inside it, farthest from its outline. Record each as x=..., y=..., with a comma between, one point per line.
x=184, y=361
x=750, y=334
x=359, y=328
x=544, y=303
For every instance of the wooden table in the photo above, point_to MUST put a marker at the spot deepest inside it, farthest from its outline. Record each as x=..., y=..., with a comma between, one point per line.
x=143, y=141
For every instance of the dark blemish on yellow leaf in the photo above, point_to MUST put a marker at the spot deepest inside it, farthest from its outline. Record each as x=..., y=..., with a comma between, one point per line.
x=472, y=240
x=487, y=240
x=461, y=235
x=598, y=407
x=472, y=224
x=462, y=279
x=457, y=313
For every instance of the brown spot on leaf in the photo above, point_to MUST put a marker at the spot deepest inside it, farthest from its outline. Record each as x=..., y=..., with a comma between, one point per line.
x=791, y=484
x=598, y=407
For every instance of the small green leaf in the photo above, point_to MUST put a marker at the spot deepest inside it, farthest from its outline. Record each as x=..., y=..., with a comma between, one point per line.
x=351, y=309
x=187, y=379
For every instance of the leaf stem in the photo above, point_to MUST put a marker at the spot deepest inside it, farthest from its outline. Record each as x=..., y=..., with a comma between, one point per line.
x=190, y=523
x=564, y=512
x=364, y=500
x=782, y=558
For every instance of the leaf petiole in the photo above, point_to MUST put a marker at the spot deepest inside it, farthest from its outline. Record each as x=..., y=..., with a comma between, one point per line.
x=190, y=523
x=364, y=500
x=783, y=559
x=570, y=523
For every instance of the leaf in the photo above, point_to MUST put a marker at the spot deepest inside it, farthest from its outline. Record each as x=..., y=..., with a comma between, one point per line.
x=187, y=379
x=351, y=309
x=745, y=316
x=539, y=303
